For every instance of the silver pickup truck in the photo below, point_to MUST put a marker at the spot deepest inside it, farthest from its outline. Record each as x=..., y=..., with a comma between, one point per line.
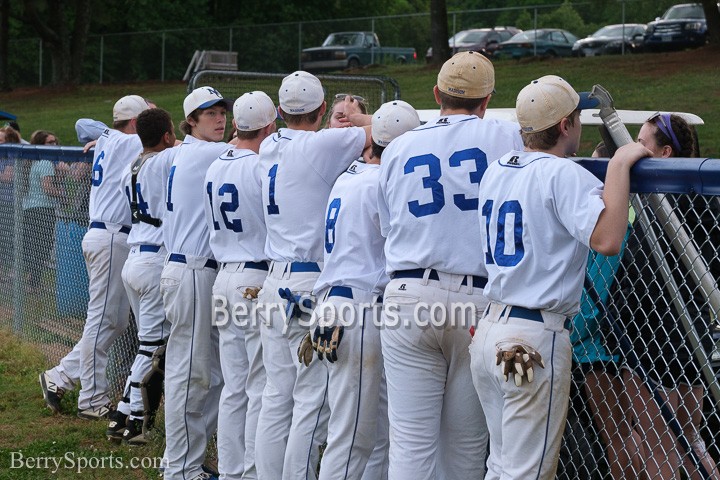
x=342, y=50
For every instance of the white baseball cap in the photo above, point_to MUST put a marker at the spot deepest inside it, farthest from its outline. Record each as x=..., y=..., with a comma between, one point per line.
x=548, y=100
x=253, y=111
x=203, y=97
x=391, y=120
x=467, y=75
x=129, y=107
x=301, y=92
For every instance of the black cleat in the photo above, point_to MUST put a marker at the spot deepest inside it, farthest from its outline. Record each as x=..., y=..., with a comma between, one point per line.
x=51, y=392
x=117, y=426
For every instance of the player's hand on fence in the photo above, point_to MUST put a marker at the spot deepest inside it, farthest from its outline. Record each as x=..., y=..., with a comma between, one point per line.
x=327, y=340
x=518, y=360
x=306, y=350
x=89, y=145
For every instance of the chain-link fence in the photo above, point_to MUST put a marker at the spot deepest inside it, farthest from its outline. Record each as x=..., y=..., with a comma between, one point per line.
x=645, y=394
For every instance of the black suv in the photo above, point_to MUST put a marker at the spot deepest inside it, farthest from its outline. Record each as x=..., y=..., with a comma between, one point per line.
x=681, y=26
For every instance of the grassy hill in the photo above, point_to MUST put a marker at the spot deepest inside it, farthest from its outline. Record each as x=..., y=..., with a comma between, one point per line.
x=677, y=81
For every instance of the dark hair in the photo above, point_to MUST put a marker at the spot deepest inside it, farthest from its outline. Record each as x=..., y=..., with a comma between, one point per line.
x=376, y=149
x=39, y=137
x=14, y=124
x=457, y=103
x=185, y=127
x=686, y=137
x=248, y=134
x=310, y=117
x=548, y=138
x=152, y=125
x=120, y=124
x=11, y=135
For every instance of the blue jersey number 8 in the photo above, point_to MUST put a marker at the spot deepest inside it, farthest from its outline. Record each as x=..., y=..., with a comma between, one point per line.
x=332, y=215
x=432, y=181
x=497, y=255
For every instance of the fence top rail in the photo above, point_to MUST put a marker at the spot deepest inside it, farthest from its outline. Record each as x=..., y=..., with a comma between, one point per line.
x=43, y=152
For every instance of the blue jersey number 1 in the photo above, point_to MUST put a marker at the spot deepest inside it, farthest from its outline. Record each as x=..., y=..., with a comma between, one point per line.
x=272, y=207
x=497, y=255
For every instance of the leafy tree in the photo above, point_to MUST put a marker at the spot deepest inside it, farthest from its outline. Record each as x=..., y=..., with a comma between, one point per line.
x=712, y=14
x=439, y=31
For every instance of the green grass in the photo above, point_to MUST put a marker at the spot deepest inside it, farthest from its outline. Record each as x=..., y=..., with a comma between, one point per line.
x=680, y=81
x=29, y=429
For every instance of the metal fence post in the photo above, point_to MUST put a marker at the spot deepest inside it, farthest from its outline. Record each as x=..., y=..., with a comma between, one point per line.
x=162, y=63
x=372, y=48
x=230, y=40
x=102, y=47
x=18, y=294
x=40, y=65
x=299, y=45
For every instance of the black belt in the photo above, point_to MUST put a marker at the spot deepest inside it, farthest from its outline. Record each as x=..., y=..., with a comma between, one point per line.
x=477, y=282
x=534, y=315
x=101, y=225
x=180, y=258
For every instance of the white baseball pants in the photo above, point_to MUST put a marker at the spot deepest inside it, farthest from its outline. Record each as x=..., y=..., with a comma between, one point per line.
x=526, y=423
x=437, y=426
x=192, y=366
x=294, y=413
x=105, y=251
x=242, y=369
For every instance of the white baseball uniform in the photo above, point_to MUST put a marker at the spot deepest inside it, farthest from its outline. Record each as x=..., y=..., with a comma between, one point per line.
x=141, y=273
x=193, y=379
x=428, y=202
x=233, y=212
x=352, y=280
x=105, y=250
x=299, y=169
x=537, y=213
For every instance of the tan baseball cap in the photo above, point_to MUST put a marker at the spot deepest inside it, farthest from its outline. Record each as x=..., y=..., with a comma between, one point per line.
x=253, y=111
x=129, y=107
x=548, y=100
x=467, y=75
x=391, y=120
x=301, y=92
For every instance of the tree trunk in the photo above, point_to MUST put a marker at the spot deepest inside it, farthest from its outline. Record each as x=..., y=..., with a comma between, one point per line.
x=712, y=14
x=53, y=25
x=4, y=44
x=439, y=32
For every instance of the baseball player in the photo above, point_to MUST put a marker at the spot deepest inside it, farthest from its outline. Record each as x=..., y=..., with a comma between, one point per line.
x=541, y=213
x=192, y=372
x=352, y=280
x=299, y=165
x=105, y=249
x=233, y=212
x=428, y=211
x=141, y=272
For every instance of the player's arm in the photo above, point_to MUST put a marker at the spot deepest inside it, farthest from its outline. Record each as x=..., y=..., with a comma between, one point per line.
x=609, y=232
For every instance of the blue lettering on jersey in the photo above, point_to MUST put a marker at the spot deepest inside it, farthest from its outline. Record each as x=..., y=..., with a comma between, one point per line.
x=500, y=257
x=230, y=206
x=142, y=205
x=209, y=189
x=332, y=215
x=272, y=207
x=432, y=181
x=97, y=170
x=169, y=194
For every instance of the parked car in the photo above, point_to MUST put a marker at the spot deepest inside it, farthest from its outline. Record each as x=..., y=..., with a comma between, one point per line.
x=351, y=50
x=681, y=26
x=483, y=40
x=551, y=42
x=610, y=39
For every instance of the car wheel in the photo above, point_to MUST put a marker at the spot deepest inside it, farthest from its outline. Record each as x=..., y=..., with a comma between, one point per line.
x=353, y=63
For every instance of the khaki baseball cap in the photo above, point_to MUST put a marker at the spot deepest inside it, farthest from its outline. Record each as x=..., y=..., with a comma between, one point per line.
x=253, y=111
x=301, y=92
x=129, y=107
x=391, y=120
x=546, y=101
x=467, y=75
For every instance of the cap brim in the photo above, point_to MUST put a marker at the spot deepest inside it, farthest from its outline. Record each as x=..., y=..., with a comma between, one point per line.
x=587, y=102
x=225, y=102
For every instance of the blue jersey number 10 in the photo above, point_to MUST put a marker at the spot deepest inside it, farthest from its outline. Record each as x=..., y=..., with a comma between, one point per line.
x=497, y=255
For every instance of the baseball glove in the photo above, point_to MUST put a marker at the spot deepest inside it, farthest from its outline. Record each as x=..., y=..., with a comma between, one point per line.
x=327, y=340
x=251, y=293
x=294, y=302
x=518, y=359
x=306, y=349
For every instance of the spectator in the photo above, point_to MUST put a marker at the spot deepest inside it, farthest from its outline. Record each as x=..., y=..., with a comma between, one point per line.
x=337, y=116
x=7, y=203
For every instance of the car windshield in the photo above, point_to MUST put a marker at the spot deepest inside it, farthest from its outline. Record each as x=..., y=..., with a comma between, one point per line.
x=528, y=36
x=684, y=11
x=336, y=39
x=613, y=31
x=468, y=36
